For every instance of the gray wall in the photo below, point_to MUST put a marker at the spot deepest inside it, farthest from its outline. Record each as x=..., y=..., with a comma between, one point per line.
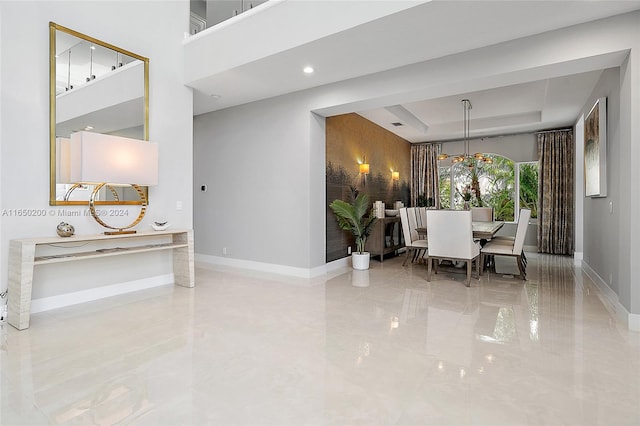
x=607, y=220
x=261, y=162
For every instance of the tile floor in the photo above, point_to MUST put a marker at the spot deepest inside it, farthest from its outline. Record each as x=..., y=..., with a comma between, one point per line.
x=379, y=347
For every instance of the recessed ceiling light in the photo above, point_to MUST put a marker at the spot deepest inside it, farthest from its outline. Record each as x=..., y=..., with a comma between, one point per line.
x=215, y=96
x=89, y=128
x=308, y=70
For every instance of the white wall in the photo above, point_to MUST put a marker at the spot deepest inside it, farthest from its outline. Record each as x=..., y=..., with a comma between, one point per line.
x=153, y=29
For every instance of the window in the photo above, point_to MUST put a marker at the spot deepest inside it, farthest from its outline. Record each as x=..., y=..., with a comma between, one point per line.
x=496, y=184
x=528, y=187
x=444, y=175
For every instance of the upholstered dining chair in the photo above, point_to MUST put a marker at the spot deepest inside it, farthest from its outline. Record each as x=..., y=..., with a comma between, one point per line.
x=421, y=217
x=411, y=241
x=507, y=248
x=510, y=239
x=482, y=214
x=412, y=216
x=450, y=236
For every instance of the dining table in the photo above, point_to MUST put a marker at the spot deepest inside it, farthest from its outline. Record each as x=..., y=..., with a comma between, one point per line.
x=481, y=230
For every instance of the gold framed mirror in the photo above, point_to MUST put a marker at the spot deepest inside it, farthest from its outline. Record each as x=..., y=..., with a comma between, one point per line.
x=97, y=87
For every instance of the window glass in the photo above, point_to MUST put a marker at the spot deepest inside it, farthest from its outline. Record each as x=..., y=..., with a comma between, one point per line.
x=490, y=185
x=528, y=187
x=444, y=174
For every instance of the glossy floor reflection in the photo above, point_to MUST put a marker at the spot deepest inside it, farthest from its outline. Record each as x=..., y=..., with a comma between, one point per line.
x=382, y=346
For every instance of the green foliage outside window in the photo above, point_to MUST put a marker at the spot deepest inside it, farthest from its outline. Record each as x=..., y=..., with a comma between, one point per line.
x=529, y=187
x=444, y=176
x=497, y=186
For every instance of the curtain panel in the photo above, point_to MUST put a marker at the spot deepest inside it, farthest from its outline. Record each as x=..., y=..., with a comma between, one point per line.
x=424, y=173
x=555, y=192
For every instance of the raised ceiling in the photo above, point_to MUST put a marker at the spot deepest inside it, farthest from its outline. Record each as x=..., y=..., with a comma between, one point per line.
x=406, y=32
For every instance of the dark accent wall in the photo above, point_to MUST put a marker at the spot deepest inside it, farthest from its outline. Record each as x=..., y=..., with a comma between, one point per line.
x=349, y=138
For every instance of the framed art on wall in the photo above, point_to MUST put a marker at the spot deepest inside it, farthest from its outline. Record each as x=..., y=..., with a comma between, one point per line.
x=595, y=150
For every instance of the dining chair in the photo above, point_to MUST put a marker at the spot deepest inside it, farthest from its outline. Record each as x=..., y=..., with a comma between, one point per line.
x=507, y=248
x=510, y=239
x=482, y=214
x=412, y=216
x=421, y=217
x=411, y=241
x=450, y=236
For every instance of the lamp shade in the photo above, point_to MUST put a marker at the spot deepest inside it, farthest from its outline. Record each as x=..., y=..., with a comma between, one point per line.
x=364, y=168
x=63, y=160
x=98, y=158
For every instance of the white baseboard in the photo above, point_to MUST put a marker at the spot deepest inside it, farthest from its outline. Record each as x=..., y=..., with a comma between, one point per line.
x=60, y=301
x=269, y=267
x=610, y=300
x=338, y=264
x=634, y=322
x=578, y=256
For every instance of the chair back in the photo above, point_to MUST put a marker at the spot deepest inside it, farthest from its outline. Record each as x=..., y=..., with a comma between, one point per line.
x=413, y=222
x=421, y=217
x=406, y=230
x=451, y=233
x=521, y=231
x=482, y=214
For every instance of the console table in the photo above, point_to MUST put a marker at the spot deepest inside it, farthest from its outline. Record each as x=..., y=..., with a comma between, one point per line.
x=26, y=254
x=386, y=237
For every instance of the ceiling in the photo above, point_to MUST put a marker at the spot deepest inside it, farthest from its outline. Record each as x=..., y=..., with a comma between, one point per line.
x=422, y=31
x=543, y=104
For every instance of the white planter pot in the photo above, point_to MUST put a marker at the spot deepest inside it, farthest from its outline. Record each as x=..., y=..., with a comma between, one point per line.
x=360, y=261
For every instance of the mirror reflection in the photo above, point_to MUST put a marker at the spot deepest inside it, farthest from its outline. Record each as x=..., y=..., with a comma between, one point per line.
x=97, y=87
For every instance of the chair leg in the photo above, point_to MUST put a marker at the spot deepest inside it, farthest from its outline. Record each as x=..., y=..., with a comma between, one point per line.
x=469, y=263
x=523, y=273
x=429, y=264
x=406, y=257
x=481, y=265
x=478, y=266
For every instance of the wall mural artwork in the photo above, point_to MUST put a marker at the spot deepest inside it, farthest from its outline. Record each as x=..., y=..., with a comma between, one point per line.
x=338, y=185
x=595, y=150
x=351, y=141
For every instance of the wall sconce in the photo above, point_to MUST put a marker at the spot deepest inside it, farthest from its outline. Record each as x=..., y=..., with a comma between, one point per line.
x=100, y=160
x=364, y=166
x=395, y=175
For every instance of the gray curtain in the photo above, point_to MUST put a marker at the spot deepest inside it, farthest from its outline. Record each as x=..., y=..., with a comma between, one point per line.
x=555, y=192
x=424, y=173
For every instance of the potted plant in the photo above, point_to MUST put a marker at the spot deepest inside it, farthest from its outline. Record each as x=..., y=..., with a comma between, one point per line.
x=351, y=217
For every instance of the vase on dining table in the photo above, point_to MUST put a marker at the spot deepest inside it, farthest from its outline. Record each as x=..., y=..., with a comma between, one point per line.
x=466, y=205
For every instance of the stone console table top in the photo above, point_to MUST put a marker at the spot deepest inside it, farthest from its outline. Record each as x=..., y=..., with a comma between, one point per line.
x=23, y=258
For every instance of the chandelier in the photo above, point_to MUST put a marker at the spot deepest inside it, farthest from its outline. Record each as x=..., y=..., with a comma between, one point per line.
x=469, y=160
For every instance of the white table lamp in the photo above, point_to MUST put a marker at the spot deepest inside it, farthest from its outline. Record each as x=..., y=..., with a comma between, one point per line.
x=100, y=160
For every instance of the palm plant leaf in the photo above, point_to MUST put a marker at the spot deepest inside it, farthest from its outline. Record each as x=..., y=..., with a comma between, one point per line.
x=350, y=217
